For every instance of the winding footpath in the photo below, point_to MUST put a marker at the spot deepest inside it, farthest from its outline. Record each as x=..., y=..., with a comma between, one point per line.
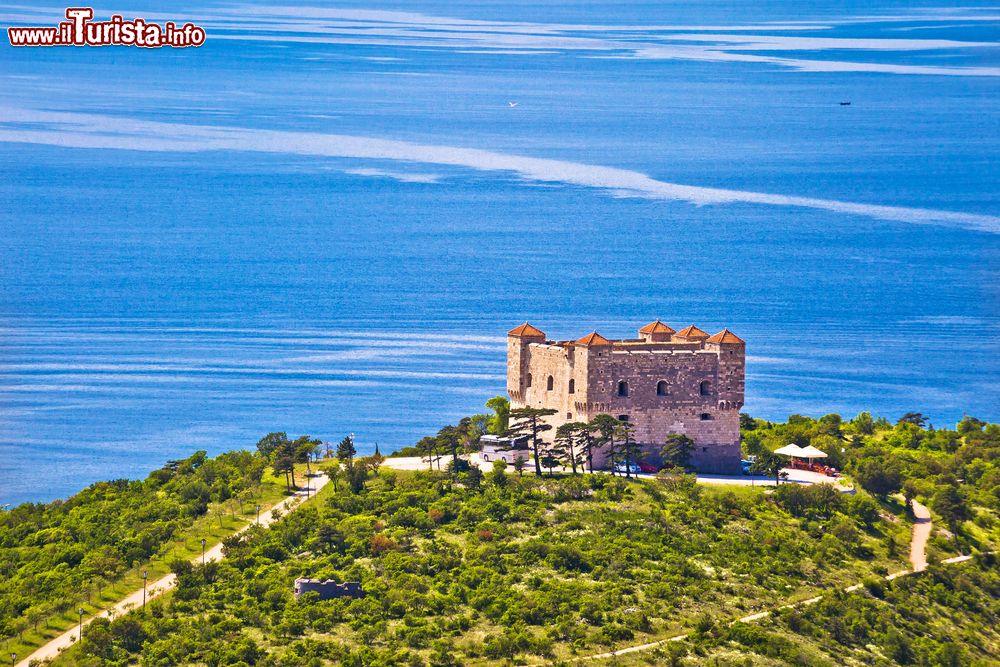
x=921, y=533
x=918, y=559
x=132, y=601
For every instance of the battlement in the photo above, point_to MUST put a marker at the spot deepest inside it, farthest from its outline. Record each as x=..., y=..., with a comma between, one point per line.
x=664, y=381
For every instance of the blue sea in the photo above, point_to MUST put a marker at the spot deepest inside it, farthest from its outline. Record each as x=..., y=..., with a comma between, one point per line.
x=325, y=219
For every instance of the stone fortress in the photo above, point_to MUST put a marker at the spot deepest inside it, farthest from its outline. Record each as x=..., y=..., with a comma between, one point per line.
x=662, y=382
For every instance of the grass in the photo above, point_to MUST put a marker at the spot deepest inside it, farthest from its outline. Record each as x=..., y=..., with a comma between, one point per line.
x=218, y=523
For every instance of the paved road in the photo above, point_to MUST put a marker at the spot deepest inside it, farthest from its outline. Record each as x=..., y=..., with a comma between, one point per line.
x=134, y=600
x=794, y=475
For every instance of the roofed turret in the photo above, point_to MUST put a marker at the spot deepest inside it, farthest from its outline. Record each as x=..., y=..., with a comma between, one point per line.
x=656, y=332
x=726, y=337
x=691, y=333
x=526, y=331
x=593, y=339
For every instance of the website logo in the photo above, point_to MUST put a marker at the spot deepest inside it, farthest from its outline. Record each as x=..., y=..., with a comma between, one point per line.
x=79, y=29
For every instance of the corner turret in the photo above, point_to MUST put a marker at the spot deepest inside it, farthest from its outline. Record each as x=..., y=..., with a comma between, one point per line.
x=732, y=368
x=518, y=374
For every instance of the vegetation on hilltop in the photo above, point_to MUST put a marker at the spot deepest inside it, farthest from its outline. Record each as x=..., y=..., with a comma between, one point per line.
x=471, y=568
x=955, y=472
x=57, y=556
x=946, y=617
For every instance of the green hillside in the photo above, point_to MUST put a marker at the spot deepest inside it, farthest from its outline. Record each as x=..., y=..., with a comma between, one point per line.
x=485, y=567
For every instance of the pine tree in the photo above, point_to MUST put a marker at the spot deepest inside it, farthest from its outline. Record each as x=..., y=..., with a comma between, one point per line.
x=630, y=450
x=519, y=466
x=585, y=440
x=427, y=446
x=677, y=450
x=567, y=447
x=346, y=450
x=376, y=460
x=603, y=427
x=448, y=443
x=528, y=422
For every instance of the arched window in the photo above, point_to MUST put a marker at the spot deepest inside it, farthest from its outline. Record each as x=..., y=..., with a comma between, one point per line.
x=706, y=388
x=572, y=386
x=550, y=384
x=528, y=383
x=661, y=388
x=622, y=388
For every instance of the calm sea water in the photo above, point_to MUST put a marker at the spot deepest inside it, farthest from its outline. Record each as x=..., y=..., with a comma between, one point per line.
x=341, y=262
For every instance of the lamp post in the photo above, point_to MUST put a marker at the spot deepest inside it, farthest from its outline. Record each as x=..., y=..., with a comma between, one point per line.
x=258, y=514
x=13, y=659
x=203, y=552
x=80, y=610
x=145, y=574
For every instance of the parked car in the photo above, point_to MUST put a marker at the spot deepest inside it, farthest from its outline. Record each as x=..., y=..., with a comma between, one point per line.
x=632, y=468
x=648, y=468
x=745, y=466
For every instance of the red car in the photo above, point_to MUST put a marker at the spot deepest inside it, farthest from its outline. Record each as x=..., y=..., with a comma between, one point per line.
x=648, y=468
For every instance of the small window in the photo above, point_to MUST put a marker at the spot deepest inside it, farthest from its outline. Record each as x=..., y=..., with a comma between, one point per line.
x=705, y=416
x=704, y=449
x=486, y=457
x=661, y=388
x=550, y=384
x=572, y=386
x=528, y=383
x=569, y=415
x=623, y=418
x=623, y=388
x=706, y=388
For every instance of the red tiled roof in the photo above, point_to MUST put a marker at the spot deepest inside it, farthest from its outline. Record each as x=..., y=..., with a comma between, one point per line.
x=656, y=327
x=691, y=332
x=526, y=330
x=593, y=338
x=726, y=336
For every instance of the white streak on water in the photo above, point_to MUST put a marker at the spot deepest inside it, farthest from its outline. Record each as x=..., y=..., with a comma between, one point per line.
x=95, y=132
x=403, y=177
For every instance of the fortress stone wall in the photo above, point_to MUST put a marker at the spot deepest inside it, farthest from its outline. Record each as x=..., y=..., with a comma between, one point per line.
x=662, y=382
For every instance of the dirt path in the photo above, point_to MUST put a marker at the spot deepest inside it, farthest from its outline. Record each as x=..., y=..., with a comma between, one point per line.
x=918, y=541
x=51, y=649
x=918, y=558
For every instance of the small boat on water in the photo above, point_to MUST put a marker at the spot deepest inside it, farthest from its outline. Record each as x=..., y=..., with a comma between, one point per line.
x=845, y=104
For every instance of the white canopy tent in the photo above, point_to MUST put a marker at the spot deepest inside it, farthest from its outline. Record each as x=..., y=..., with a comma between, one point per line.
x=791, y=450
x=811, y=453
